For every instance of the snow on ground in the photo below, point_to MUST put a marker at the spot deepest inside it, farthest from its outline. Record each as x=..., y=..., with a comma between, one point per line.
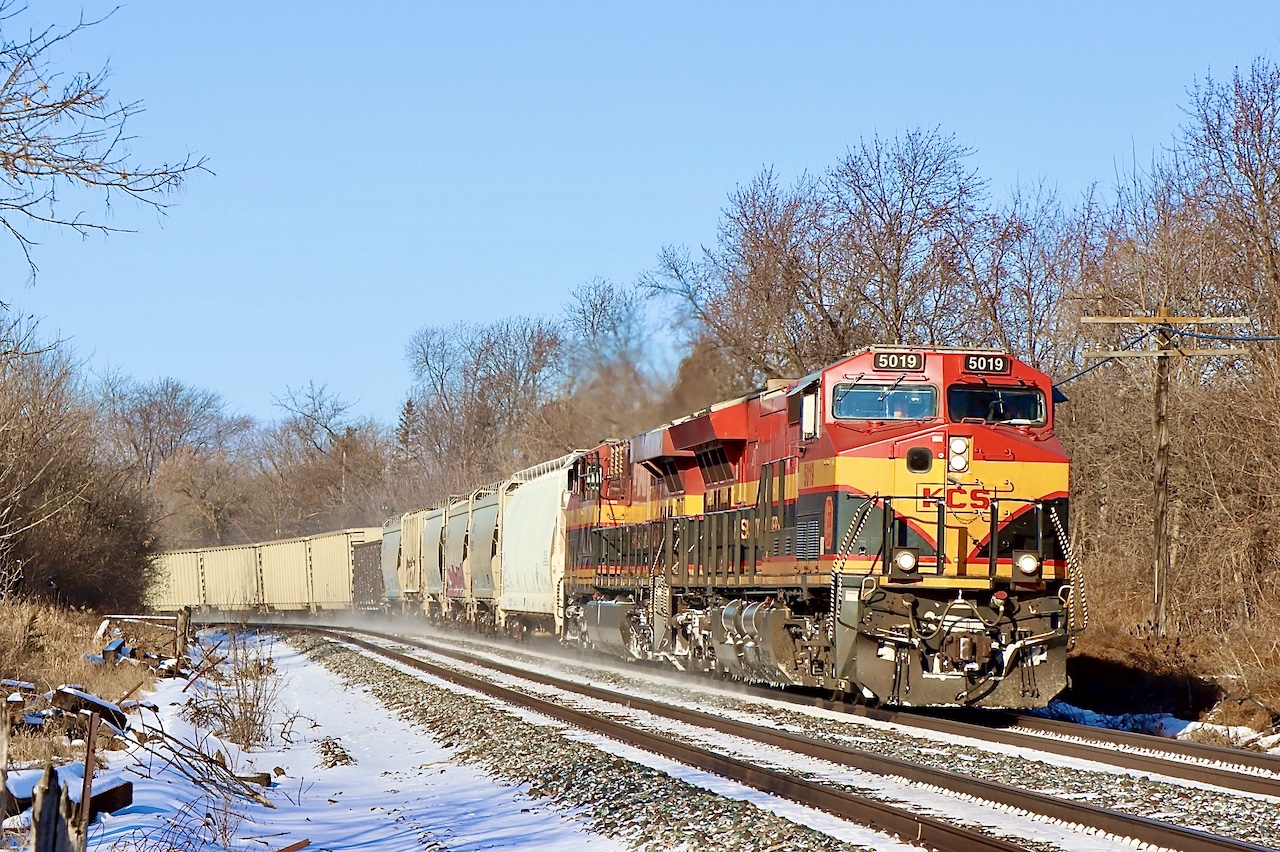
x=818, y=820
x=1160, y=725
x=403, y=792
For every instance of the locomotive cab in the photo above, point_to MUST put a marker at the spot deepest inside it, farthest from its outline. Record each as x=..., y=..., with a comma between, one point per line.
x=951, y=490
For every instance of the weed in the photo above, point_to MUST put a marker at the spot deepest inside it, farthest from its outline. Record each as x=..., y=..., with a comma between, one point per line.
x=238, y=698
x=199, y=825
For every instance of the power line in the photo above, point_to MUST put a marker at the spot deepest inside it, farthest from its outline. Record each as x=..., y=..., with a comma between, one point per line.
x=1165, y=325
x=1249, y=338
x=1102, y=361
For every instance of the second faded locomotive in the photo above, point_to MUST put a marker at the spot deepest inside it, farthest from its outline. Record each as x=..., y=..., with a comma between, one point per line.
x=893, y=525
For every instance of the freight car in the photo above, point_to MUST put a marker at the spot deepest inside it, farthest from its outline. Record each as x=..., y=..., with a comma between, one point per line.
x=291, y=575
x=892, y=527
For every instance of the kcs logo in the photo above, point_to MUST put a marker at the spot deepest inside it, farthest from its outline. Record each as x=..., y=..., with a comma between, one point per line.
x=956, y=498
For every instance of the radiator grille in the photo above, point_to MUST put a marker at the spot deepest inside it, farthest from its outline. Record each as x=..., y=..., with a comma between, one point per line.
x=807, y=539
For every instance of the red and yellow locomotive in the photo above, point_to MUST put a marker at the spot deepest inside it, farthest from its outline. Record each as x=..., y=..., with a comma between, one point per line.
x=892, y=526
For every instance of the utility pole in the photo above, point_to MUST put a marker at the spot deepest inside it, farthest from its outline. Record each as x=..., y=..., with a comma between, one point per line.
x=1166, y=348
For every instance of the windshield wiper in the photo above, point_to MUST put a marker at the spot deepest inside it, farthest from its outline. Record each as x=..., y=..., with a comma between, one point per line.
x=891, y=387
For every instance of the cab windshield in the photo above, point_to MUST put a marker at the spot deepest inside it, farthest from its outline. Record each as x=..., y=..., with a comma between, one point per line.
x=1014, y=406
x=884, y=402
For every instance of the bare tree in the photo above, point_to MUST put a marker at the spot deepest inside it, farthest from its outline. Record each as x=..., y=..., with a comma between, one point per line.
x=612, y=389
x=63, y=138
x=205, y=495
x=480, y=396
x=318, y=468
x=896, y=243
x=1230, y=152
x=150, y=422
x=68, y=519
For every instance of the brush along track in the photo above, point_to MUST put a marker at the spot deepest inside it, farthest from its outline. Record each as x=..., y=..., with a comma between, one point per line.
x=868, y=811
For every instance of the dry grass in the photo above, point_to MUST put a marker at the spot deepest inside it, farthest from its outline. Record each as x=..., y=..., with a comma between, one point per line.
x=206, y=823
x=46, y=646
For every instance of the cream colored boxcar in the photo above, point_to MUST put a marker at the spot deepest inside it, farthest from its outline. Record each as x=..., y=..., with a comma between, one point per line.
x=285, y=575
x=230, y=576
x=176, y=581
x=333, y=566
x=309, y=573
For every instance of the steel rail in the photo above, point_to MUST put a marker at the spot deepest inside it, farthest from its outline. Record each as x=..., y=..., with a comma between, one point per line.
x=1003, y=728
x=1014, y=729
x=912, y=828
x=1119, y=824
x=1200, y=751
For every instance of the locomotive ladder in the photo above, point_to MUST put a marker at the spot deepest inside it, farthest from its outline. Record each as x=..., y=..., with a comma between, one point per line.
x=842, y=557
x=660, y=590
x=1075, y=576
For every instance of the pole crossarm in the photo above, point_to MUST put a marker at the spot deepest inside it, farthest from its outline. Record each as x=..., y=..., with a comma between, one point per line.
x=1170, y=320
x=1163, y=353
x=1166, y=348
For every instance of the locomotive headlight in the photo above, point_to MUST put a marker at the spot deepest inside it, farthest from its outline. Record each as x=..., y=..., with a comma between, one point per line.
x=958, y=461
x=906, y=560
x=1027, y=562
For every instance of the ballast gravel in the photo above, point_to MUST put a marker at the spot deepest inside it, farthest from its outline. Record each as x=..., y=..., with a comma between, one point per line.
x=1240, y=816
x=634, y=803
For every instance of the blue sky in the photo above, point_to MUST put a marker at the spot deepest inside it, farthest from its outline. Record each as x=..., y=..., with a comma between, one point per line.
x=384, y=166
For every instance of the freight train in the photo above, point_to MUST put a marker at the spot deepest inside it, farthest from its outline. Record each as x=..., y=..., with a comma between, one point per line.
x=892, y=528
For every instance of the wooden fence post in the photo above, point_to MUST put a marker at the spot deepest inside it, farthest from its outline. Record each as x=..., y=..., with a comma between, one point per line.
x=54, y=827
x=8, y=807
x=182, y=632
x=86, y=791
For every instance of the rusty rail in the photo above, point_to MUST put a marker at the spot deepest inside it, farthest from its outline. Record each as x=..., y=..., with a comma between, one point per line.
x=1013, y=729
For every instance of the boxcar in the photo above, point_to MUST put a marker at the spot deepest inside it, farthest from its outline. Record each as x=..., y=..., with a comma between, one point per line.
x=300, y=574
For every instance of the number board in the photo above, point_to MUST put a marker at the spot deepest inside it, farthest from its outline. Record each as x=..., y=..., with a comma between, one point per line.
x=908, y=362
x=1000, y=364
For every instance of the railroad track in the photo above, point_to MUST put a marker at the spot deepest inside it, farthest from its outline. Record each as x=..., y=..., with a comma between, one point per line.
x=912, y=827
x=1262, y=761
x=1218, y=766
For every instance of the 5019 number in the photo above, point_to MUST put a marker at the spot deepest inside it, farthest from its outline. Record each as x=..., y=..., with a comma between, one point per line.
x=986, y=364
x=904, y=361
